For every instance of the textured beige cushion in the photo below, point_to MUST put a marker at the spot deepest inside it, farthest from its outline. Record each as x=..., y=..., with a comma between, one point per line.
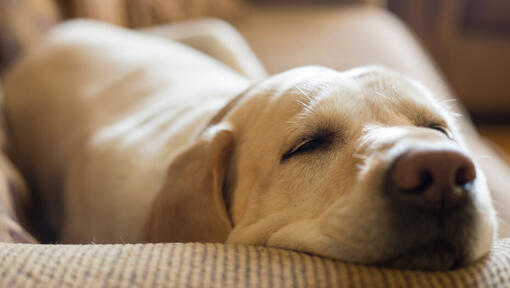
x=218, y=265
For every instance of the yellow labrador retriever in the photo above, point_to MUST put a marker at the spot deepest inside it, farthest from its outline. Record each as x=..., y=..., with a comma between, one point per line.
x=130, y=138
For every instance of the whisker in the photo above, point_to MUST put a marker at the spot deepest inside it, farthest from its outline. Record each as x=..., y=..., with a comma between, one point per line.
x=446, y=101
x=456, y=115
x=304, y=93
x=380, y=94
x=360, y=156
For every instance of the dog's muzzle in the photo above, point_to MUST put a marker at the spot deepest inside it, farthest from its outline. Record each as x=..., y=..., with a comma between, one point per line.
x=431, y=195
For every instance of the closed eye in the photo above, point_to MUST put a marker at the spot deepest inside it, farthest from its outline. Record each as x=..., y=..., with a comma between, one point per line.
x=307, y=146
x=441, y=129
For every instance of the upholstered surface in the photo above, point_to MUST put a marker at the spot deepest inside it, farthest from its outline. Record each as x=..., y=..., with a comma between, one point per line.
x=218, y=265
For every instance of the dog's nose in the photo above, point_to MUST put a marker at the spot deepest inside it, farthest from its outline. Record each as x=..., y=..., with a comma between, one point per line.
x=432, y=179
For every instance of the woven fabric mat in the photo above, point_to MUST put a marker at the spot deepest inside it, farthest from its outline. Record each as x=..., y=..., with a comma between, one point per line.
x=219, y=265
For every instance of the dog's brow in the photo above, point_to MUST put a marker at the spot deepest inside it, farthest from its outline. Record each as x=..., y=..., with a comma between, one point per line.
x=426, y=116
x=308, y=125
x=421, y=112
x=310, y=122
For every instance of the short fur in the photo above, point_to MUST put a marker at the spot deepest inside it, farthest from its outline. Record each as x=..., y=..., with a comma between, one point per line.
x=129, y=138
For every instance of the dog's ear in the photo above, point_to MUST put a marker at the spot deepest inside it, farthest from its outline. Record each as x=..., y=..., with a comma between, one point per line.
x=190, y=205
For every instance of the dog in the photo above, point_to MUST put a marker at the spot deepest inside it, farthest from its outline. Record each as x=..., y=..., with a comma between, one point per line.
x=128, y=138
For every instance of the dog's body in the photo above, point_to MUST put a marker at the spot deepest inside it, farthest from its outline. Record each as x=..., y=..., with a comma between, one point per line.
x=92, y=112
x=133, y=139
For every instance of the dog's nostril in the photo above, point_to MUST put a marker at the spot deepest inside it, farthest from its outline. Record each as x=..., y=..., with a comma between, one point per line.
x=431, y=179
x=421, y=183
x=465, y=175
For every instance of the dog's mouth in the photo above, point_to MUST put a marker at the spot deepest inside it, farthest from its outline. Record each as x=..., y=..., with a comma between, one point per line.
x=438, y=254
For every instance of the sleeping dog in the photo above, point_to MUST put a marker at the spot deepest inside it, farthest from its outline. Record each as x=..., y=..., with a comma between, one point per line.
x=129, y=138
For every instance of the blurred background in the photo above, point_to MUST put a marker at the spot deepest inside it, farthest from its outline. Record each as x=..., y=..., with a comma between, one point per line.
x=468, y=39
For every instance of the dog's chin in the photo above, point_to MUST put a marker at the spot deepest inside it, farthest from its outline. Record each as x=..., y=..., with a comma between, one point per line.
x=435, y=255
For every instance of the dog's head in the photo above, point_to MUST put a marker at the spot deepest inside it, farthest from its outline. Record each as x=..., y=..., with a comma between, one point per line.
x=362, y=166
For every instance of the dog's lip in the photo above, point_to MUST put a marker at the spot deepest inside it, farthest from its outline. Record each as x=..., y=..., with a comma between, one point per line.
x=438, y=254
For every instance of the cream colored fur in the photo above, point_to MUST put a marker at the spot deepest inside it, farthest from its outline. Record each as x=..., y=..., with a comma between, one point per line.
x=129, y=138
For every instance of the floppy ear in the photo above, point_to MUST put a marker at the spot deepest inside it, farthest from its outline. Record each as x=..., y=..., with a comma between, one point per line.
x=190, y=205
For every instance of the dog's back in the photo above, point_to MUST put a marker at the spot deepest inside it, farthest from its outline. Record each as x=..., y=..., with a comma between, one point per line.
x=92, y=100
